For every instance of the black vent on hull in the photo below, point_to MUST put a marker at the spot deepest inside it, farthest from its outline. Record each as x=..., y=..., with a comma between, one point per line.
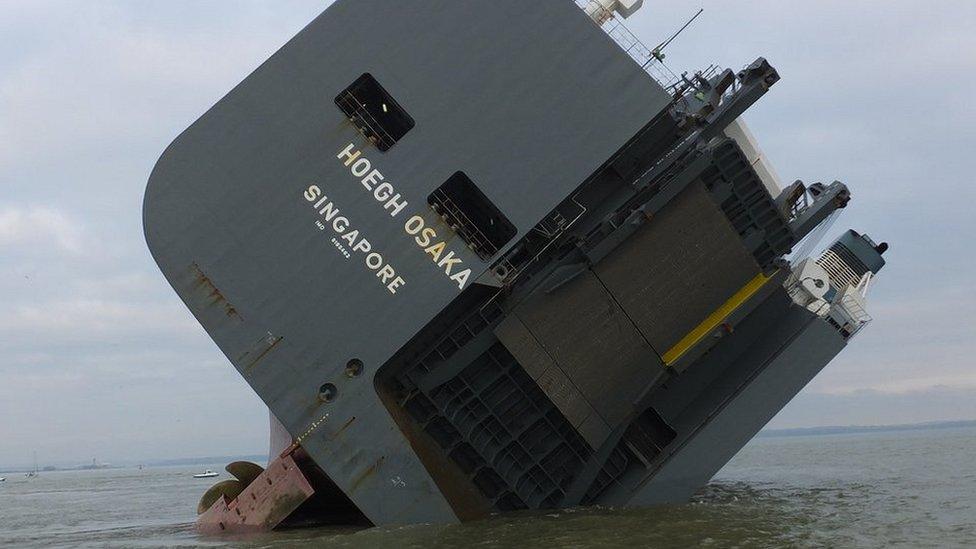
x=374, y=112
x=468, y=211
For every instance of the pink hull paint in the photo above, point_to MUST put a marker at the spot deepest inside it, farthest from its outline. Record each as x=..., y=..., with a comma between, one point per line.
x=270, y=499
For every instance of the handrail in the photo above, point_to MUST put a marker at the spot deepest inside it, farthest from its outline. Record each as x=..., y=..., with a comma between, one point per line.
x=632, y=46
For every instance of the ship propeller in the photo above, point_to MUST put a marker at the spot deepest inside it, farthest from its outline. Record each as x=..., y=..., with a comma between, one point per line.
x=244, y=473
x=229, y=489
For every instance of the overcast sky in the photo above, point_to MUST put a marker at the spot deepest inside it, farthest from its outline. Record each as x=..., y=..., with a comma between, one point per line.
x=98, y=357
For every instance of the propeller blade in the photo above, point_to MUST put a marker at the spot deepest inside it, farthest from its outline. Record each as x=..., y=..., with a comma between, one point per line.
x=244, y=471
x=225, y=488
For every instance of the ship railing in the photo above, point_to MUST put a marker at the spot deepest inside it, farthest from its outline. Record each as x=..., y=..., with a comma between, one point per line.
x=846, y=314
x=632, y=46
x=856, y=311
x=355, y=109
x=459, y=221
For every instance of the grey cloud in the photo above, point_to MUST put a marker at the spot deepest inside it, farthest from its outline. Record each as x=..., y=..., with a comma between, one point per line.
x=28, y=228
x=99, y=357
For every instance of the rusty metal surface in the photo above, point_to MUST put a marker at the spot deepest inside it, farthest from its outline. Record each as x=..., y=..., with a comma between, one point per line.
x=271, y=498
x=206, y=292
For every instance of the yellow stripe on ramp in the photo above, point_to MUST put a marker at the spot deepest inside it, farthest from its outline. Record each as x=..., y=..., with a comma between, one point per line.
x=713, y=320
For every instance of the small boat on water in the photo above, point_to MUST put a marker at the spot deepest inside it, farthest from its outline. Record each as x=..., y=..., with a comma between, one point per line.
x=3, y=479
x=207, y=474
x=33, y=472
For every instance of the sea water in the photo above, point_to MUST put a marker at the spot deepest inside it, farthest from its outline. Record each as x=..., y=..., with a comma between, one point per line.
x=910, y=489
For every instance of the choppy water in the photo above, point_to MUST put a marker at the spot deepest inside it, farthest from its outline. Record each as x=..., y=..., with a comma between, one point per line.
x=914, y=489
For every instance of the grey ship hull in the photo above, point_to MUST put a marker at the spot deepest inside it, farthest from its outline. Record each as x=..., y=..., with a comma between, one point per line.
x=792, y=347
x=628, y=337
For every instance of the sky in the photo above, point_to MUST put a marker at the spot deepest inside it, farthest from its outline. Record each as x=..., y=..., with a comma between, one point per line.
x=100, y=359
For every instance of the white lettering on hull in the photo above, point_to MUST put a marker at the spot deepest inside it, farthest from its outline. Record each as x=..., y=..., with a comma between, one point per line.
x=372, y=180
x=350, y=241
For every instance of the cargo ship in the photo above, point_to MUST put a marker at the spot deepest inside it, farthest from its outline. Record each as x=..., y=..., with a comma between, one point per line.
x=481, y=257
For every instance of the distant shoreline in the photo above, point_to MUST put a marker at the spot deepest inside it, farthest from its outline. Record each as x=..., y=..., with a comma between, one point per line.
x=765, y=433
x=174, y=462
x=862, y=429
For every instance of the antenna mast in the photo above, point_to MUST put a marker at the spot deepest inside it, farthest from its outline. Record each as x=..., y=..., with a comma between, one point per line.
x=658, y=52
